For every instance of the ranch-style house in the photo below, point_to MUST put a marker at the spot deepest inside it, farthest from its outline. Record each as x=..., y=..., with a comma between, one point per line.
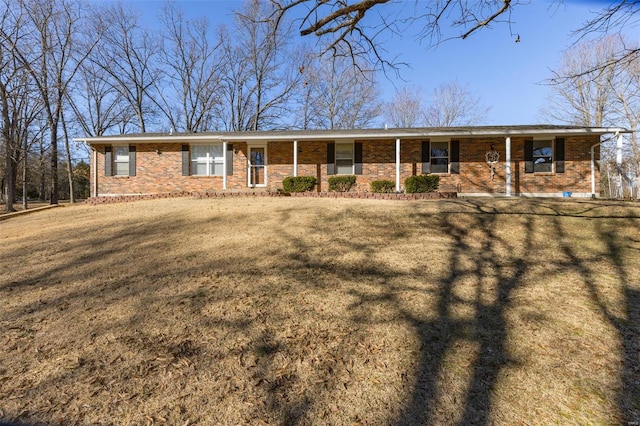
x=524, y=160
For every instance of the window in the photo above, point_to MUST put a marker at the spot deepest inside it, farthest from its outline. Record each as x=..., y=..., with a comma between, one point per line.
x=344, y=158
x=439, y=157
x=542, y=156
x=207, y=160
x=121, y=160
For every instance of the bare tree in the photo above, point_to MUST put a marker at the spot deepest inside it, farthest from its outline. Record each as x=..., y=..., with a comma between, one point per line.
x=406, y=109
x=262, y=70
x=128, y=55
x=50, y=50
x=341, y=23
x=627, y=110
x=453, y=104
x=96, y=107
x=339, y=96
x=192, y=70
x=591, y=88
x=581, y=90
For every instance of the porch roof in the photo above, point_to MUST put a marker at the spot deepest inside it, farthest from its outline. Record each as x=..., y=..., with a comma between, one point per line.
x=358, y=134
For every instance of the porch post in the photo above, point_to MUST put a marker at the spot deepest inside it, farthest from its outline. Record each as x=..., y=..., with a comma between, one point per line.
x=398, y=165
x=95, y=172
x=295, y=158
x=224, y=165
x=619, y=163
x=507, y=144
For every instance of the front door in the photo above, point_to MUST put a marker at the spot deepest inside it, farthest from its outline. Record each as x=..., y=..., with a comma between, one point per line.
x=257, y=166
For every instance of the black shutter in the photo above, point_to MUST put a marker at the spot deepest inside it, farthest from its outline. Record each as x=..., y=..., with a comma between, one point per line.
x=528, y=156
x=132, y=160
x=559, y=155
x=426, y=157
x=454, y=158
x=331, y=158
x=357, y=158
x=108, y=161
x=186, y=161
x=229, y=159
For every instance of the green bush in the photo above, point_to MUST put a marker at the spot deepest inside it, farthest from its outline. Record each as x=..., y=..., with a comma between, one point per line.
x=422, y=183
x=341, y=183
x=298, y=183
x=383, y=186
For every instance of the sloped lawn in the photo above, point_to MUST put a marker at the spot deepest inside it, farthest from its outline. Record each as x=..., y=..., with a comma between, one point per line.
x=318, y=311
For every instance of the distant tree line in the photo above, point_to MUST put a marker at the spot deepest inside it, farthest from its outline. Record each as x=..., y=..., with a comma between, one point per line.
x=71, y=67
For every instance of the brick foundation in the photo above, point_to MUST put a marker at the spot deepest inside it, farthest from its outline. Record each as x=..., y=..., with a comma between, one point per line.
x=256, y=194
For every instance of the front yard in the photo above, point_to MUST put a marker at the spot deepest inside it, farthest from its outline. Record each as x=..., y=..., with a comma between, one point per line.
x=322, y=311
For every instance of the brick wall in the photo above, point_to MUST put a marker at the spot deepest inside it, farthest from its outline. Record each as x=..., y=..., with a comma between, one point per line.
x=159, y=168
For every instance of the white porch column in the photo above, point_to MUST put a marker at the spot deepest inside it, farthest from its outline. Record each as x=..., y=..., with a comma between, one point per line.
x=397, y=165
x=619, y=141
x=507, y=143
x=224, y=165
x=95, y=172
x=295, y=158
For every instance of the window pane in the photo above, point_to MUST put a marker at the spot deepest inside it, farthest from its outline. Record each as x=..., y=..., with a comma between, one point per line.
x=542, y=165
x=121, y=153
x=122, y=169
x=440, y=149
x=199, y=151
x=218, y=169
x=439, y=165
x=199, y=168
x=215, y=151
x=543, y=156
x=344, y=167
x=344, y=151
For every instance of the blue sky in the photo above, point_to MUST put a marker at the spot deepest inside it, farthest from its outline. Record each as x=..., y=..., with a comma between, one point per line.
x=508, y=76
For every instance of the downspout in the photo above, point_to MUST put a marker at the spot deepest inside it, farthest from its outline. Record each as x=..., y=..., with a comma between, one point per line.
x=398, y=165
x=507, y=143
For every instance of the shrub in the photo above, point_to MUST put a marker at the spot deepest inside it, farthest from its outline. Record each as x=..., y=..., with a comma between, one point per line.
x=341, y=183
x=383, y=185
x=422, y=183
x=298, y=183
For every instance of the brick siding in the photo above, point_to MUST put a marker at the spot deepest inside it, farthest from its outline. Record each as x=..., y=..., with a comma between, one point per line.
x=159, y=168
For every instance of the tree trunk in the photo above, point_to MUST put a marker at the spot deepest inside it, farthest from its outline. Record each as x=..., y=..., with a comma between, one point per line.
x=25, y=205
x=41, y=187
x=67, y=146
x=54, y=164
x=10, y=179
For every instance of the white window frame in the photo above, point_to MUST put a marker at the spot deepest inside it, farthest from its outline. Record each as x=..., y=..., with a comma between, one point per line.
x=432, y=157
x=123, y=160
x=208, y=160
x=535, y=157
x=352, y=158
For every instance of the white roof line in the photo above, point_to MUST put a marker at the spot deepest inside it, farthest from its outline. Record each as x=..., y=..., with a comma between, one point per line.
x=383, y=134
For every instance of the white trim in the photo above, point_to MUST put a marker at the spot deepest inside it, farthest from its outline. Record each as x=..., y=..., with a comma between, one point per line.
x=398, y=165
x=224, y=164
x=295, y=158
x=95, y=172
x=507, y=143
x=249, y=165
x=419, y=133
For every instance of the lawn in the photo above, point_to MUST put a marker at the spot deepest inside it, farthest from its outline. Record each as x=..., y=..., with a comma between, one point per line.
x=318, y=311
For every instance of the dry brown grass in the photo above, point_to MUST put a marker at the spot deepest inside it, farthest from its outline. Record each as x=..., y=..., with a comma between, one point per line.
x=317, y=311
